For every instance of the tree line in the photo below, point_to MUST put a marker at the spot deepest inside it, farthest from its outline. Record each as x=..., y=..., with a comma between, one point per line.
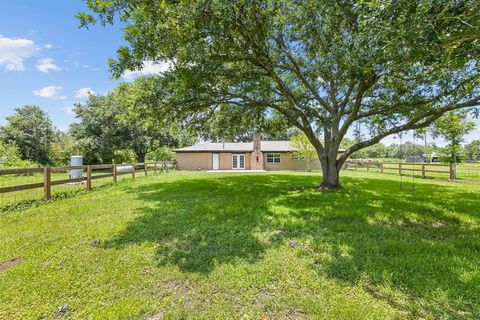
x=115, y=128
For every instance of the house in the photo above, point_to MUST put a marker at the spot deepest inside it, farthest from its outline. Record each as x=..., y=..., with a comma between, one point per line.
x=256, y=155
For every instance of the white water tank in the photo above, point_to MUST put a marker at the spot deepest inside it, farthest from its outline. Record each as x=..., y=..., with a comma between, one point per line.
x=76, y=161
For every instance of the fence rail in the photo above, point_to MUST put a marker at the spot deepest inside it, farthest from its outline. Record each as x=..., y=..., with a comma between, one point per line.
x=440, y=170
x=116, y=170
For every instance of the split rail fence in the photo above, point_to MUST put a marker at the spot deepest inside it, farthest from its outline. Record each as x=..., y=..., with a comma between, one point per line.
x=435, y=170
x=85, y=172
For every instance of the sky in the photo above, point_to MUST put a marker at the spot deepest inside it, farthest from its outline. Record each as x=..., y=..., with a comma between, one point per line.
x=46, y=60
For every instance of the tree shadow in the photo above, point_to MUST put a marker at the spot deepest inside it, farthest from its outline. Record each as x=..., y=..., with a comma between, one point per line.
x=418, y=251
x=197, y=223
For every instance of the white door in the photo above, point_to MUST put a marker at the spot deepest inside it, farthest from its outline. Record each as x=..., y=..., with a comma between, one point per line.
x=216, y=161
x=238, y=161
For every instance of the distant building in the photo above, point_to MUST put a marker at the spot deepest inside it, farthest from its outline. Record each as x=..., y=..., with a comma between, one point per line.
x=416, y=159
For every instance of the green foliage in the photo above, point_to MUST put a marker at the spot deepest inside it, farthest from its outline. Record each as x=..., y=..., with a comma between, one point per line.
x=114, y=123
x=394, y=150
x=453, y=127
x=472, y=150
x=10, y=157
x=325, y=66
x=124, y=156
x=98, y=134
x=62, y=148
x=163, y=153
x=304, y=148
x=31, y=130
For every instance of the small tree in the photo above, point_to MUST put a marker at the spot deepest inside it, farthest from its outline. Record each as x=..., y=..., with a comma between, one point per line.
x=473, y=150
x=31, y=130
x=304, y=148
x=10, y=157
x=453, y=127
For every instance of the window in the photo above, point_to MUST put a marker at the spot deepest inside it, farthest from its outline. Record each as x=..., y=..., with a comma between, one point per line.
x=296, y=156
x=273, y=157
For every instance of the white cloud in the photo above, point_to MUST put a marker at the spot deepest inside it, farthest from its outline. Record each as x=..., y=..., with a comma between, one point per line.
x=48, y=46
x=48, y=92
x=69, y=110
x=84, y=92
x=46, y=65
x=149, y=68
x=13, y=52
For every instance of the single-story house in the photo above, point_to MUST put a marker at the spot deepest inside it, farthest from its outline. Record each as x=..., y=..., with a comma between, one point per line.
x=255, y=155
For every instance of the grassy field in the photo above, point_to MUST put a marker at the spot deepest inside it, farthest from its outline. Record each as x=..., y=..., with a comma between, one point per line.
x=254, y=246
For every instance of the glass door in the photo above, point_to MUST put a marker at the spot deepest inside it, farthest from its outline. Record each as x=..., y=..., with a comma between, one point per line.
x=238, y=161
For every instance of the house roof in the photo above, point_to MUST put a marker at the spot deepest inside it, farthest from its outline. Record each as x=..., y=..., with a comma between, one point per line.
x=265, y=146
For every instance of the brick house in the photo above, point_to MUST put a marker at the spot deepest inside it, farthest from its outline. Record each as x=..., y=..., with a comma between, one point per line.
x=256, y=155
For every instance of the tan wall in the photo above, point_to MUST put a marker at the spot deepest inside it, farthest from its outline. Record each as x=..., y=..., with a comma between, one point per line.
x=287, y=163
x=194, y=160
x=254, y=165
x=225, y=161
x=203, y=161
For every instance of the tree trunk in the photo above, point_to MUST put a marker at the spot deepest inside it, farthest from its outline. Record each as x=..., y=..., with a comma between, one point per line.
x=331, y=171
x=141, y=157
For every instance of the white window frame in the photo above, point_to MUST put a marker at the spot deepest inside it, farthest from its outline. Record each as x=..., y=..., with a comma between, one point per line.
x=238, y=156
x=274, y=156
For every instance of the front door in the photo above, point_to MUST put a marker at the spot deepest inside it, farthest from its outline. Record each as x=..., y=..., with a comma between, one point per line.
x=215, y=161
x=238, y=161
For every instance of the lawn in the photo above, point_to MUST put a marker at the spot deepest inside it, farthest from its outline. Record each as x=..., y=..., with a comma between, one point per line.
x=254, y=246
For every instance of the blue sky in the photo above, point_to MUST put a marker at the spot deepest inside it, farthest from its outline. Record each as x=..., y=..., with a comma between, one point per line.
x=46, y=60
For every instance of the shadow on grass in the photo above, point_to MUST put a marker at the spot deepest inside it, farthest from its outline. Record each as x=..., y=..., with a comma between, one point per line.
x=419, y=250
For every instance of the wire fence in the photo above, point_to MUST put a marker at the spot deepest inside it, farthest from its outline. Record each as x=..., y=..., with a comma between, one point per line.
x=25, y=186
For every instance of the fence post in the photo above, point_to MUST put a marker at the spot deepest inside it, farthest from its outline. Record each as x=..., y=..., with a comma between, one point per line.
x=356, y=165
x=453, y=171
x=145, y=168
x=400, y=168
x=381, y=167
x=368, y=166
x=423, y=171
x=155, y=166
x=89, y=178
x=133, y=170
x=47, y=187
x=114, y=172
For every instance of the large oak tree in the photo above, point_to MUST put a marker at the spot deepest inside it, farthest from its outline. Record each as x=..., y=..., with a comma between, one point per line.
x=324, y=65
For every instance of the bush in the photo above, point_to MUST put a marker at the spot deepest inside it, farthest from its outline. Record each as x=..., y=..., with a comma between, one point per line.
x=10, y=157
x=163, y=153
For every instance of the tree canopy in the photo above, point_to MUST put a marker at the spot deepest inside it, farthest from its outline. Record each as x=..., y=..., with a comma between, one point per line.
x=115, y=122
x=31, y=131
x=453, y=126
x=326, y=66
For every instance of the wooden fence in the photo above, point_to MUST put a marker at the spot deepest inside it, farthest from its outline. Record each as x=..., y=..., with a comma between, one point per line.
x=117, y=169
x=402, y=168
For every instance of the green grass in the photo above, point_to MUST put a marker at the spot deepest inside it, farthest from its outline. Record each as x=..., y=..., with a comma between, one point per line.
x=226, y=246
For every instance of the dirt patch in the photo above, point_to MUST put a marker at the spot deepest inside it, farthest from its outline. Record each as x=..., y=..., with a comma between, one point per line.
x=438, y=224
x=295, y=315
x=11, y=263
x=157, y=316
x=180, y=287
x=94, y=243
